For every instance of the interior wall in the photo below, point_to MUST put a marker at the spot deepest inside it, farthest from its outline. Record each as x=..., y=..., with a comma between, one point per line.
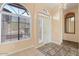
x=77, y=26
x=72, y=37
x=57, y=25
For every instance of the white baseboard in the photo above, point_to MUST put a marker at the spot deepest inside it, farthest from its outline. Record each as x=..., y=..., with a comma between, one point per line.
x=59, y=43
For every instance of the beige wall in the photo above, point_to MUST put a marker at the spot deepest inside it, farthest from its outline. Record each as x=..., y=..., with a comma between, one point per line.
x=78, y=24
x=57, y=26
x=72, y=37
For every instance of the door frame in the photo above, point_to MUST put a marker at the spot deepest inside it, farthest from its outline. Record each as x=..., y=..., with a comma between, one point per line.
x=42, y=40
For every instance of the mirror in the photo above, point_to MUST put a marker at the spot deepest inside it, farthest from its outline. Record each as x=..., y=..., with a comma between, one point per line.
x=70, y=23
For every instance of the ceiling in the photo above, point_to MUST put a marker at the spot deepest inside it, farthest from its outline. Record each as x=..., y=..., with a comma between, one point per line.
x=52, y=5
x=67, y=5
x=70, y=5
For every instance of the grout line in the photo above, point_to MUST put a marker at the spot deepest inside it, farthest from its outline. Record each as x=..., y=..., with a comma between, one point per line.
x=62, y=47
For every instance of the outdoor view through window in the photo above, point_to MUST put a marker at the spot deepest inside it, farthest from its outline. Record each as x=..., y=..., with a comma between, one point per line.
x=15, y=20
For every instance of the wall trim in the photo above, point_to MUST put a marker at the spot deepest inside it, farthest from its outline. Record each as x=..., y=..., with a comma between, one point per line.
x=59, y=43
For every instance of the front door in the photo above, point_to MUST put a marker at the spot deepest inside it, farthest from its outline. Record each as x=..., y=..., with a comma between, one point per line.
x=44, y=31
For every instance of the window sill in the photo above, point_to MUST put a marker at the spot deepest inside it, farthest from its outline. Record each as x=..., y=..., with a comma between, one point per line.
x=15, y=41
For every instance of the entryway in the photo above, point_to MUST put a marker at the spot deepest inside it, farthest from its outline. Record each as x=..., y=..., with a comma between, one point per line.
x=44, y=28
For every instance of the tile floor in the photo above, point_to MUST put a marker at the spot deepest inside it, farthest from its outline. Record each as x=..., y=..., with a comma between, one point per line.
x=67, y=48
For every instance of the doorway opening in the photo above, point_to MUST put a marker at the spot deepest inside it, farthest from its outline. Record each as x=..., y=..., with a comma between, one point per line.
x=44, y=28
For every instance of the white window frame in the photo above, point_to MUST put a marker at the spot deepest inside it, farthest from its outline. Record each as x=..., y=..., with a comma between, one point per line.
x=14, y=41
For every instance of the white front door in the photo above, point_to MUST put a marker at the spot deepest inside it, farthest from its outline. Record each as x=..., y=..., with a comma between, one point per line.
x=45, y=34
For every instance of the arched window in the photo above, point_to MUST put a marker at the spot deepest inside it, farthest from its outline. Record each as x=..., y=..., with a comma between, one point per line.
x=70, y=23
x=16, y=22
x=16, y=9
